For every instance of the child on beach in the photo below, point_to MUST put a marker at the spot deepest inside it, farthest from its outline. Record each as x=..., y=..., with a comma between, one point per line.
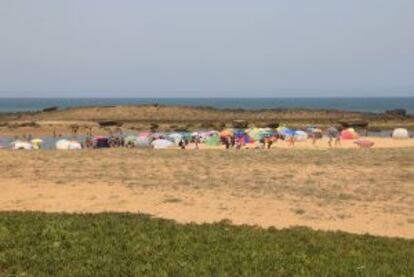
x=291, y=141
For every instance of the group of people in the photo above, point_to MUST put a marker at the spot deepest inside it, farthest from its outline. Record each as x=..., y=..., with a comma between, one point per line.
x=230, y=141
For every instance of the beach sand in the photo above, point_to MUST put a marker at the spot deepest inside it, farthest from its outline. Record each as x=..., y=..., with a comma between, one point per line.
x=353, y=190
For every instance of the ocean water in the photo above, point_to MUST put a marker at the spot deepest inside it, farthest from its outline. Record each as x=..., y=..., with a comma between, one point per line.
x=375, y=105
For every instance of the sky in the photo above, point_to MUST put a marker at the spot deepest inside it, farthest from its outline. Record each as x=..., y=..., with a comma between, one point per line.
x=215, y=48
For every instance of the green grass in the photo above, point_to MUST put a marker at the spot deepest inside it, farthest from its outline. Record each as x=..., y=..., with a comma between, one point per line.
x=37, y=244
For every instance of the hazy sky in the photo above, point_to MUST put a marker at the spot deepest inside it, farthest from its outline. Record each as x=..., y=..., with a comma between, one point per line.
x=206, y=48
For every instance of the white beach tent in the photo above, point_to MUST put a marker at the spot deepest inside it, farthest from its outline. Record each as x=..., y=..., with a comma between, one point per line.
x=301, y=136
x=65, y=144
x=161, y=144
x=175, y=137
x=142, y=142
x=21, y=145
x=400, y=133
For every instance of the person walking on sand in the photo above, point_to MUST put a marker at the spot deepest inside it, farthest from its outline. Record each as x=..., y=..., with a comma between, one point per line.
x=181, y=144
x=196, y=142
x=291, y=141
x=333, y=134
x=269, y=142
x=227, y=142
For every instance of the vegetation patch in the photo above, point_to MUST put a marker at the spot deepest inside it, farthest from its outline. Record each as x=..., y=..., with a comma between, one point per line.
x=111, y=244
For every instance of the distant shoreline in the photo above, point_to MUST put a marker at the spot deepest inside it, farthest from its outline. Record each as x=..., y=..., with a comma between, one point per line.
x=361, y=104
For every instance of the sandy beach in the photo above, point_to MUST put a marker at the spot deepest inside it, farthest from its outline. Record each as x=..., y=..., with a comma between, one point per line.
x=354, y=190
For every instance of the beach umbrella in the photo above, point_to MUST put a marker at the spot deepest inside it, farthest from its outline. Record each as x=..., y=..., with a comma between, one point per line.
x=144, y=134
x=349, y=134
x=158, y=135
x=36, y=143
x=226, y=133
x=287, y=132
x=161, y=144
x=400, y=133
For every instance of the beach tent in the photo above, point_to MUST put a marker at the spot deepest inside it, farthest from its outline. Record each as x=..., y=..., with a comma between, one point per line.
x=266, y=132
x=65, y=144
x=143, y=142
x=131, y=140
x=300, y=136
x=349, y=134
x=2, y=144
x=196, y=135
x=286, y=132
x=281, y=128
x=175, y=137
x=253, y=133
x=259, y=133
x=310, y=130
x=75, y=145
x=21, y=145
x=101, y=142
x=62, y=144
x=400, y=133
x=204, y=135
x=161, y=144
x=186, y=135
x=213, y=141
x=239, y=133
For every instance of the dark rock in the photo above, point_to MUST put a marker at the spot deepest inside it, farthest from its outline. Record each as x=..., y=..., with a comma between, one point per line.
x=354, y=124
x=396, y=112
x=109, y=123
x=50, y=109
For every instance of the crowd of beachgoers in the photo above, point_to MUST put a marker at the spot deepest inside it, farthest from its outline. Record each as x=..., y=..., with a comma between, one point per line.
x=228, y=139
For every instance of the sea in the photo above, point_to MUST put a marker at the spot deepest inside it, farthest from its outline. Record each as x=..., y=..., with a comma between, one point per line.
x=373, y=105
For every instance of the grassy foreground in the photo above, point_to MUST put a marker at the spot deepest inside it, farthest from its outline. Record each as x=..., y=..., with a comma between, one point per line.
x=37, y=244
